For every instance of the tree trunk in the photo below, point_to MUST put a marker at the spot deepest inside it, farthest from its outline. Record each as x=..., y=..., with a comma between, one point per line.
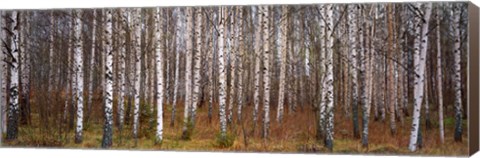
x=457, y=78
x=78, y=55
x=12, y=124
x=282, y=43
x=257, y=50
x=197, y=63
x=266, y=73
x=222, y=78
x=108, y=127
x=92, y=68
x=420, y=50
x=352, y=11
x=328, y=81
x=240, y=52
x=179, y=43
x=188, y=73
x=159, y=73
x=439, y=79
x=137, y=33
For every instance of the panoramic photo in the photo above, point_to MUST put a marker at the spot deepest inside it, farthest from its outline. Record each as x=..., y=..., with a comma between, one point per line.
x=357, y=78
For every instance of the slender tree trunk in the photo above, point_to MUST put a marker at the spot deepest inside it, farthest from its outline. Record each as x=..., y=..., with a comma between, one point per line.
x=282, y=43
x=177, y=63
x=420, y=50
x=123, y=50
x=240, y=59
x=390, y=71
x=457, y=78
x=257, y=50
x=13, y=110
x=266, y=73
x=197, y=63
x=439, y=78
x=3, y=100
x=92, y=68
x=352, y=11
x=78, y=55
x=328, y=81
x=188, y=73
x=232, y=68
x=137, y=33
x=222, y=78
x=159, y=73
x=108, y=127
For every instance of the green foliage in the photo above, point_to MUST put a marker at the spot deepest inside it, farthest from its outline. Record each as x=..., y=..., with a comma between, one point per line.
x=187, y=135
x=449, y=121
x=224, y=141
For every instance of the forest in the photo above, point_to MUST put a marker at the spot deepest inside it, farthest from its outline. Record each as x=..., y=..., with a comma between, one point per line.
x=383, y=78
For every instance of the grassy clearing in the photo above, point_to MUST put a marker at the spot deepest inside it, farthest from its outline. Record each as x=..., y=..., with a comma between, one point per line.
x=295, y=134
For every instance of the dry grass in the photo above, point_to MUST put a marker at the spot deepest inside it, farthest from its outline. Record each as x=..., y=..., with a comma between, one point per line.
x=295, y=134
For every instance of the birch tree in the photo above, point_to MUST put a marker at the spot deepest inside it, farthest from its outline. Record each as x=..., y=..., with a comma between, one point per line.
x=137, y=33
x=390, y=70
x=197, y=63
x=179, y=43
x=159, y=73
x=231, y=53
x=123, y=50
x=108, y=128
x=283, y=43
x=328, y=81
x=222, y=78
x=457, y=78
x=439, y=78
x=420, y=52
x=240, y=56
x=266, y=73
x=78, y=47
x=352, y=11
x=257, y=50
x=92, y=62
x=3, y=67
x=13, y=109
x=188, y=72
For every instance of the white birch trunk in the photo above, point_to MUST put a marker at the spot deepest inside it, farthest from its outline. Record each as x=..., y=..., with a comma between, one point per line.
x=137, y=37
x=123, y=50
x=197, y=63
x=266, y=73
x=13, y=110
x=328, y=81
x=232, y=52
x=108, y=127
x=177, y=62
x=420, y=63
x=354, y=46
x=222, y=75
x=258, y=49
x=282, y=38
x=240, y=52
x=457, y=76
x=188, y=71
x=3, y=67
x=78, y=55
x=159, y=73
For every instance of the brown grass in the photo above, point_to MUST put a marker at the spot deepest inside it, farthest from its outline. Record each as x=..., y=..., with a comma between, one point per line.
x=295, y=134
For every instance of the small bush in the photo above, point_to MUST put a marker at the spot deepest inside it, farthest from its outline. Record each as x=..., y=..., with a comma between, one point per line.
x=224, y=141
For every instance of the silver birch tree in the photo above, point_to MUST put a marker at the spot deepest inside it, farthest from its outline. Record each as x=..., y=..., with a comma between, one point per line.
x=283, y=43
x=420, y=50
x=78, y=51
x=159, y=73
x=188, y=72
x=13, y=110
x=108, y=127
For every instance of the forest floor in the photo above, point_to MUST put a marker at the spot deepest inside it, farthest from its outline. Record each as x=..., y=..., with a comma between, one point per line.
x=296, y=134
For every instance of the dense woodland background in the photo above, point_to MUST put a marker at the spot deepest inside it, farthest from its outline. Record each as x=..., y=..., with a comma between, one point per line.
x=375, y=78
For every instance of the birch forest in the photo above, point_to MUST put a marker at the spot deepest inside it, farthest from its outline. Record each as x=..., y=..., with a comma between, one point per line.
x=344, y=78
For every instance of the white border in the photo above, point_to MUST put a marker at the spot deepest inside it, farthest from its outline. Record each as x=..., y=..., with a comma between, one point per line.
x=73, y=153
